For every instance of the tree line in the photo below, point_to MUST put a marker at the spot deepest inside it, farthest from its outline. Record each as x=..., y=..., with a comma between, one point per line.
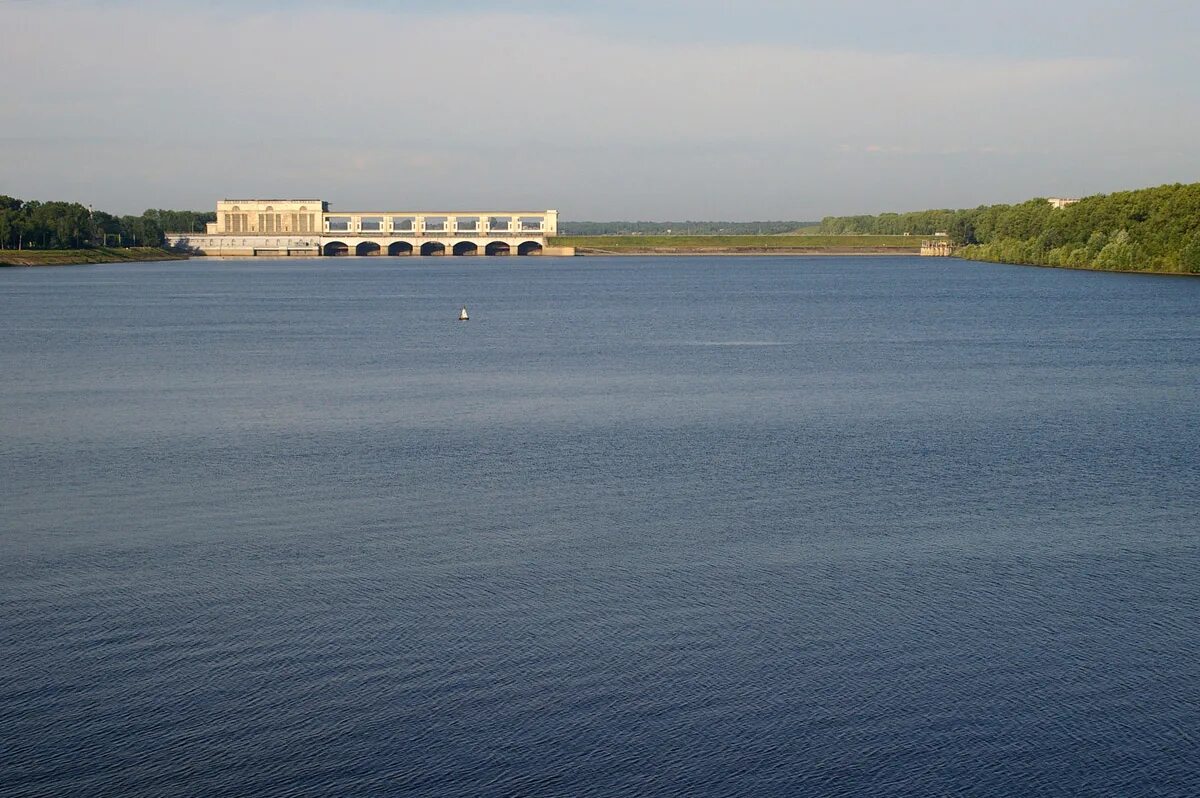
x=1152, y=229
x=69, y=225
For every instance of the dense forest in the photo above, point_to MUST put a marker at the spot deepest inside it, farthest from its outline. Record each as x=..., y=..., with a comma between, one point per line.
x=1153, y=229
x=679, y=228
x=69, y=225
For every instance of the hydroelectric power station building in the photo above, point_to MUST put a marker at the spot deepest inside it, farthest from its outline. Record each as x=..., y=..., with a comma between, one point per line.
x=292, y=227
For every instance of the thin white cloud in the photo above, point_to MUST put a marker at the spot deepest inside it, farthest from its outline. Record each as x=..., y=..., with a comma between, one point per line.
x=359, y=73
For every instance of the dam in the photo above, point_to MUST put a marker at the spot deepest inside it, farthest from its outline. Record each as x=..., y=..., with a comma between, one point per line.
x=309, y=227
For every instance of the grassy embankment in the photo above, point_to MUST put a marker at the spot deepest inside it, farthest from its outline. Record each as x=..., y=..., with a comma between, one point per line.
x=740, y=244
x=70, y=257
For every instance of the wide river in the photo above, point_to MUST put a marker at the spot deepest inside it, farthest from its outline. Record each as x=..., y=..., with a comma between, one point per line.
x=763, y=526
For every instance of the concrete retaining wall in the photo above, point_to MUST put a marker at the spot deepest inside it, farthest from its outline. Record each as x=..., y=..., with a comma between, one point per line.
x=251, y=246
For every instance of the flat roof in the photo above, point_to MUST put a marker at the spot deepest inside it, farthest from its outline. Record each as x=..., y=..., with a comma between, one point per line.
x=500, y=212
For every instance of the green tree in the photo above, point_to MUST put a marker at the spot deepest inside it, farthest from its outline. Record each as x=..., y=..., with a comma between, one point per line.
x=962, y=230
x=1189, y=255
x=1117, y=254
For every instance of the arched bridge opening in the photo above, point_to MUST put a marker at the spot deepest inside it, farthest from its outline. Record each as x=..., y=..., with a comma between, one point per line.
x=466, y=248
x=367, y=248
x=497, y=248
x=400, y=248
x=529, y=248
x=433, y=248
x=336, y=249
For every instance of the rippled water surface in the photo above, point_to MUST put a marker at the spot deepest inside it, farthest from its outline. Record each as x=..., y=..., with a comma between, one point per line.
x=687, y=527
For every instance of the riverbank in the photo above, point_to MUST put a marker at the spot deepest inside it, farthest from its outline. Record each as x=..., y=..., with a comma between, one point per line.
x=1070, y=267
x=1149, y=231
x=740, y=245
x=75, y=257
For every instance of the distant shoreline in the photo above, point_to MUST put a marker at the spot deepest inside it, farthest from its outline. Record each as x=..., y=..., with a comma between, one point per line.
x=16, y=258
x=798, y=244
x=659, y=252
x=1158, y=273
x=84, y=257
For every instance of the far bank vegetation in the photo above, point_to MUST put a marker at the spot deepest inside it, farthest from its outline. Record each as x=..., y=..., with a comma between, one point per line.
x=1153, y=229
x=34, y=225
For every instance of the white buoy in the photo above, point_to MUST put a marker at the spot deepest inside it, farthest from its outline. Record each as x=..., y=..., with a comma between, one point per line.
x=462, y=314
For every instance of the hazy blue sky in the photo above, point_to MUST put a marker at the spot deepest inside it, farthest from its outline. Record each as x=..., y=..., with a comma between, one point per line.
x=617, y=109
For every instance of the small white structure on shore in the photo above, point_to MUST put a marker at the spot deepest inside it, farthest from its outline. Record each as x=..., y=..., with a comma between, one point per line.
x=937, y=248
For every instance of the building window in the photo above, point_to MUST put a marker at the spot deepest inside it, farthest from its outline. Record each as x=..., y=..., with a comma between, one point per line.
x=338, y=224
x=371, y=224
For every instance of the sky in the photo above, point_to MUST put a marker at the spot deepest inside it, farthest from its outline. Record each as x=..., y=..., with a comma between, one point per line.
x=622, y=109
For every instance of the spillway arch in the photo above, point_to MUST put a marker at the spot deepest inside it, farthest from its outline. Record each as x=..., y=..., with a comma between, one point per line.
x=462, y=247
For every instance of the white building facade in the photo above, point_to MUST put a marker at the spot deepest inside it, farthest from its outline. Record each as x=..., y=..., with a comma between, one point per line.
x=291, y=227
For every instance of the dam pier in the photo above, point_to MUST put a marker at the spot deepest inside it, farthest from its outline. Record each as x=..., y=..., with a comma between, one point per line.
x=309, y=228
